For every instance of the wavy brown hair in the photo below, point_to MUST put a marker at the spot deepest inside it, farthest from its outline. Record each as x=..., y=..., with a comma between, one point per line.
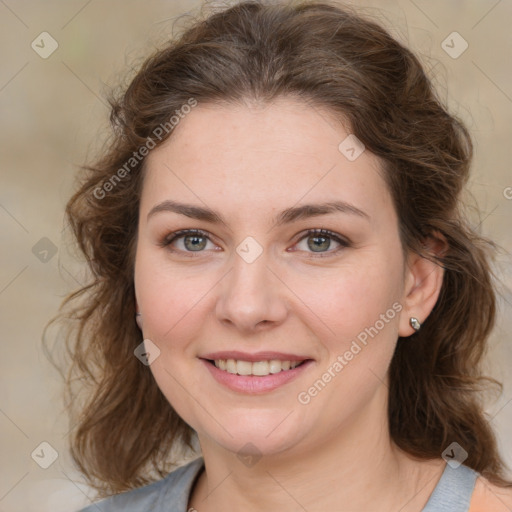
x=331, y=57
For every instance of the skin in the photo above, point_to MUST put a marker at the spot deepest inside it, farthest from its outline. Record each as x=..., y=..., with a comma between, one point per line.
x=249, y=163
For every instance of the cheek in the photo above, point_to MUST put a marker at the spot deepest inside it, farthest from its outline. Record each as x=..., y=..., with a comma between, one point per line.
x=168, y=296
x=173, y=314
x=358, y=314
x=352, y=299
x=359, y=330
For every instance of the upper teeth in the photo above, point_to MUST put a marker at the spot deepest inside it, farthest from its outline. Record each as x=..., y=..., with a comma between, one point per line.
x=260, y=368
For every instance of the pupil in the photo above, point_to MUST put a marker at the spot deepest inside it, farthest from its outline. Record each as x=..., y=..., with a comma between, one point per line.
x=315, y=246
x=195, y=243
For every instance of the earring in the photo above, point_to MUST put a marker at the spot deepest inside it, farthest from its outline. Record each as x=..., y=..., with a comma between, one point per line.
x=415, y=324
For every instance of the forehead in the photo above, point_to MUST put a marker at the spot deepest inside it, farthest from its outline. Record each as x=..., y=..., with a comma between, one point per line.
x=251, y=158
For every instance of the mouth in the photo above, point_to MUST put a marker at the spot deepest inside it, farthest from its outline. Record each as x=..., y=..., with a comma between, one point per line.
x=255, y=373
x=255, y=368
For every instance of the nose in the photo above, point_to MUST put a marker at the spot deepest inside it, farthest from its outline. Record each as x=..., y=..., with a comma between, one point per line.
x=252, y=297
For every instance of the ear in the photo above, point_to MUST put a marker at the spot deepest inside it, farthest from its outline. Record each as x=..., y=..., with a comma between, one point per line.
x=423, y=282
x=138, y=316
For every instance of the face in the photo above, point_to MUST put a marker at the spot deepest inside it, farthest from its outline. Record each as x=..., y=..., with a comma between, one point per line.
x=254, y=283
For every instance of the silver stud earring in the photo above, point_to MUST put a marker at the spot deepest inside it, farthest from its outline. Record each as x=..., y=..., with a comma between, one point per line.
x=415, y=324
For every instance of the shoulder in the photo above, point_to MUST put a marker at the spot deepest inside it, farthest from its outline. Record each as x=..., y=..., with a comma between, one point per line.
x=488, y=497
x=172, y=491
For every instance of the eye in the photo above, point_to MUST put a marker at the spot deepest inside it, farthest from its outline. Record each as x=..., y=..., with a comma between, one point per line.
x=194, y=240
x=320, y=239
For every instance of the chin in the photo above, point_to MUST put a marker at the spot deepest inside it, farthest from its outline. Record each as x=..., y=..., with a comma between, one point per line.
x=256, y=434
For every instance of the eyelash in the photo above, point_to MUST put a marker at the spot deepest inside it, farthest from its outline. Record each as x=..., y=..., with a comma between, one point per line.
x=344, y=243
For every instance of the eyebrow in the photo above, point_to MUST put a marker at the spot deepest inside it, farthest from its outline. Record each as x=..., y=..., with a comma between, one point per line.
x=287, y=216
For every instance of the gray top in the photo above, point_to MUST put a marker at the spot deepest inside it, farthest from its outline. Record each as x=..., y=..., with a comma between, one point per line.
x=453, y=491
x=171, y=494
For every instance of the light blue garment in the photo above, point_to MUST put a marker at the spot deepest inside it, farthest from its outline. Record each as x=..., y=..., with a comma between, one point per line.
x=171, y=494
x=453, y=491
x=167, y=495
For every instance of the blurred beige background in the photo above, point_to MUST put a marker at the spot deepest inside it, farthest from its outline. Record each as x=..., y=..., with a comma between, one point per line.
x=53, y=115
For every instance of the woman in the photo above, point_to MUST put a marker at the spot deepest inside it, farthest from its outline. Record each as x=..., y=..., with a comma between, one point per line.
x=278, y=217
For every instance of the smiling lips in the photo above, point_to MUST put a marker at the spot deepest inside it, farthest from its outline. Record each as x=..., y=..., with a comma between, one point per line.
x=257, y=368
x=254, y=373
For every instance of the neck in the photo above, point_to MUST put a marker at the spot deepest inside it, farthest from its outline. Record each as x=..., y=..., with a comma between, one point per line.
x=355, y=468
